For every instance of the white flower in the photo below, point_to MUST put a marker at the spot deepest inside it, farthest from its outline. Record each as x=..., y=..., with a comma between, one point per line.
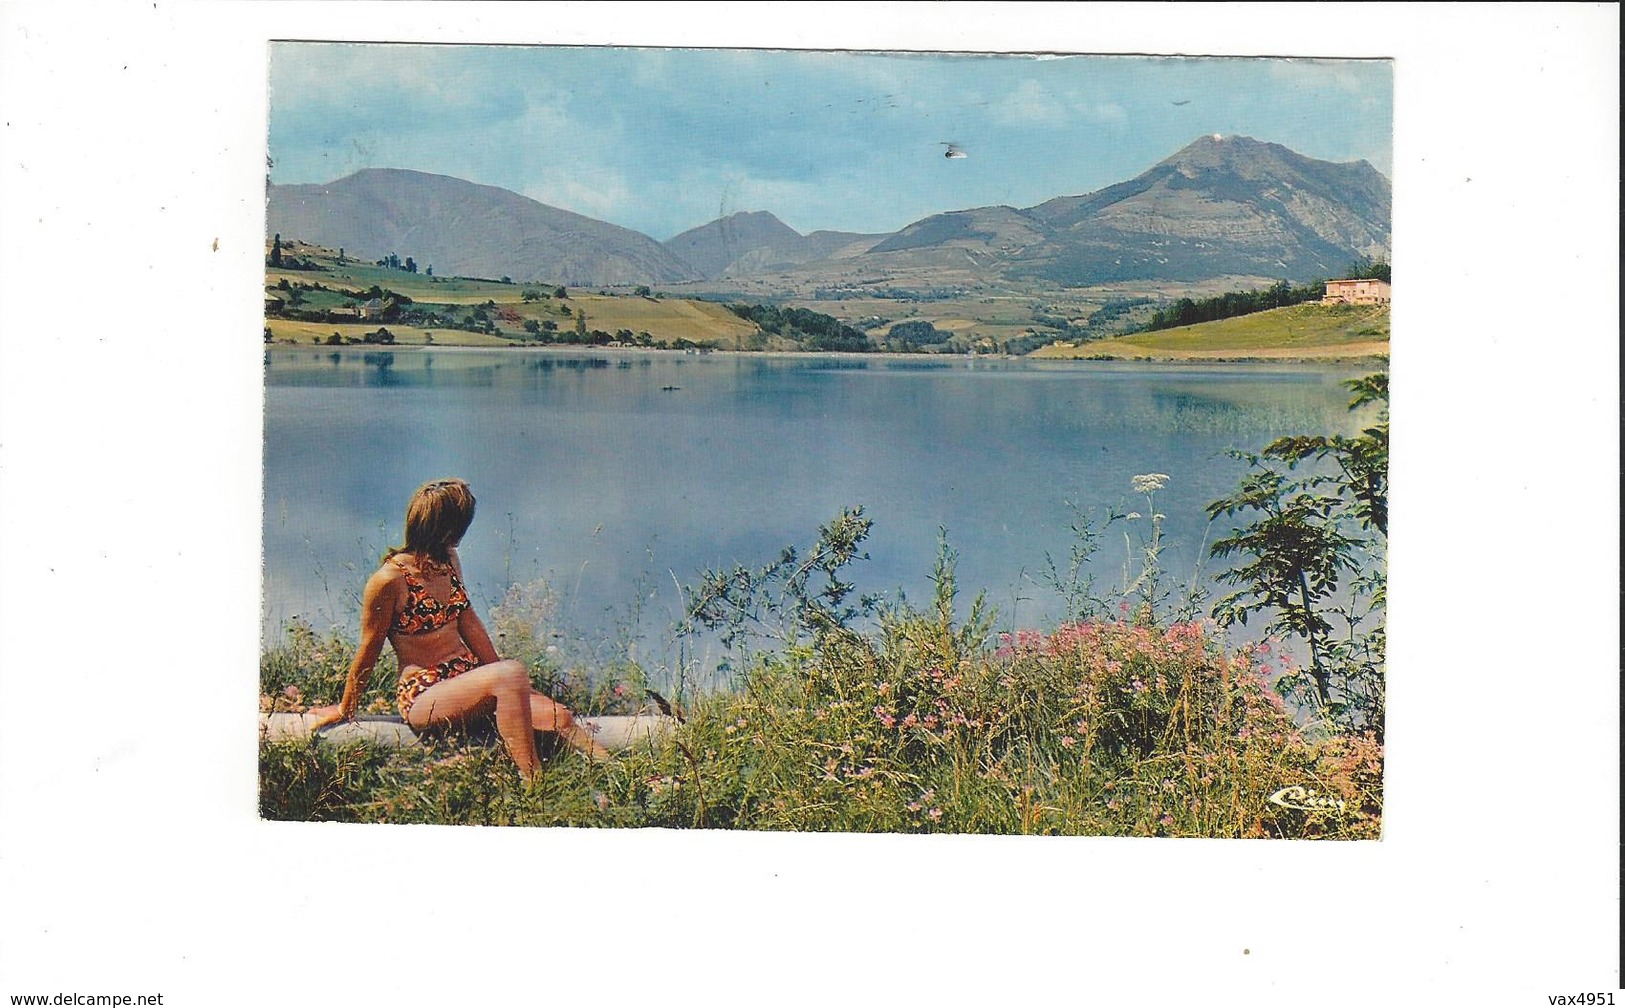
x=1150, y=482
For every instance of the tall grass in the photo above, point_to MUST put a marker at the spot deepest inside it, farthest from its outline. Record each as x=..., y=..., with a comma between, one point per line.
x=917, y=722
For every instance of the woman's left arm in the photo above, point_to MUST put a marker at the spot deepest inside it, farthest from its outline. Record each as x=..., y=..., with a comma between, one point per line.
x=469, y=625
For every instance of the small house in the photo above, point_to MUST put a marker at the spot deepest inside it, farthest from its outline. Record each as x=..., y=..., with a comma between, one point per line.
x=1358, y=292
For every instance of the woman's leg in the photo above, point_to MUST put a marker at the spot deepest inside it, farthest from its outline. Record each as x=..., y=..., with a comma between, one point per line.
x=504, y=687
x=547, y=714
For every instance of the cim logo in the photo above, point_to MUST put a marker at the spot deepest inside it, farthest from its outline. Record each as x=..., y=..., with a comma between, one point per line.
x=1307, y=800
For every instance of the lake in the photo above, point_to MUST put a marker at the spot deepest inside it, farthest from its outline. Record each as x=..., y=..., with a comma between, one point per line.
x=614, y=475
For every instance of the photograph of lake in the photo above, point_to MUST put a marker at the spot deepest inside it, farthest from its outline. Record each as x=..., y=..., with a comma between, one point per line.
x=616, y=475
x=779, y=503
x=885, y=442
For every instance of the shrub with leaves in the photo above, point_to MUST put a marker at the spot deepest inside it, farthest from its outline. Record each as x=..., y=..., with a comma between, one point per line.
x=1313, y=560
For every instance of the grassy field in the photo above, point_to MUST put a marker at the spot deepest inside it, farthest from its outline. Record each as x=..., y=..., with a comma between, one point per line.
x=1301, y=331
x=309, y=333
x=664, y=319
x=988, y=322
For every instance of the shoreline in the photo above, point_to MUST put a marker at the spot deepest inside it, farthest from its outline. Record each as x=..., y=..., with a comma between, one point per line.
x=1370, y=360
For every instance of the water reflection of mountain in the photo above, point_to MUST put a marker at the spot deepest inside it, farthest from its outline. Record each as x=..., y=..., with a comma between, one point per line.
x=591, y=475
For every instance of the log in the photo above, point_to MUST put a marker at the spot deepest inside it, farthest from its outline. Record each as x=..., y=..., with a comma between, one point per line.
x=612, y=731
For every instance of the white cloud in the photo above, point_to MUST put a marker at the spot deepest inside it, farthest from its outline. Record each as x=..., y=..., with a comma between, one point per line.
x=1354, y=77
x=601, y=194
x=1031, y=102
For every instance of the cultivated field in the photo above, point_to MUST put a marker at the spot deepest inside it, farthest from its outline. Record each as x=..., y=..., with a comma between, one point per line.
x=1307, y=331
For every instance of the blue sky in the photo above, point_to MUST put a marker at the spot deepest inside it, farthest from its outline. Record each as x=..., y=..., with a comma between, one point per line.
x=662, y=140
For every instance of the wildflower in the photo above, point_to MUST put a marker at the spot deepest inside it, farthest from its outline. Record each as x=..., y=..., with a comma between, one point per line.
x=1166, y=820
x=883, y=688
x=292, y=693
x=1149, y=482
x=1068, y=741
x=1113, y=804
x=913, y=806
x=1167, y=784
x=619, y=690
x=935, y=814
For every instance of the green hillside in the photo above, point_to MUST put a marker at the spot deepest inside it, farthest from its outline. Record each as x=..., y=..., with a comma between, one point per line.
x=1312, y=331
x=310, y=305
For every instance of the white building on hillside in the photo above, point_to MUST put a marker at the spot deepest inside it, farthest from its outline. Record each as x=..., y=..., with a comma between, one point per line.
x=1358, y=292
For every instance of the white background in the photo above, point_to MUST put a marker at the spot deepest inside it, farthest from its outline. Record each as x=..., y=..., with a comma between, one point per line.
x=131, y=856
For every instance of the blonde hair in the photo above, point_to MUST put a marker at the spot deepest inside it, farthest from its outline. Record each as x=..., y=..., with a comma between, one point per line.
x=437, y=516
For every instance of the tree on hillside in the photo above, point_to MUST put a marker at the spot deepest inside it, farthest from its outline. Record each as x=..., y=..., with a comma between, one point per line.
x=1366, y=268
x=913, y=334
x=276, y=250
x=411, y=267
x=581, y=324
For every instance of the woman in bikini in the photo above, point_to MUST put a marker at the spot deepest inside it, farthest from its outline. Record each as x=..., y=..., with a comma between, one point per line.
x=450, y=672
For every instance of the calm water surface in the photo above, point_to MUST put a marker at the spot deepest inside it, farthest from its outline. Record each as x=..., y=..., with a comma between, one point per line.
x=615, y=475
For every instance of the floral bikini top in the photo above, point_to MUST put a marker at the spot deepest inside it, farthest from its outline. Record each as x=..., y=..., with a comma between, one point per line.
x=422, y=612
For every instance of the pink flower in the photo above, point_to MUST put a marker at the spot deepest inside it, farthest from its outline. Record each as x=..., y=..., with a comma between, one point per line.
x=1068, y=741
x=935, y=814
x=620, y=690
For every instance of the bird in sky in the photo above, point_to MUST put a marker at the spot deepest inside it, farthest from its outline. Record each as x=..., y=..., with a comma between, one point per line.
x=953, y=151
x=1186, y=101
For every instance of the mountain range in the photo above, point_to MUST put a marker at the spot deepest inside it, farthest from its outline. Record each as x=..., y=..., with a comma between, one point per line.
x=1219, y=207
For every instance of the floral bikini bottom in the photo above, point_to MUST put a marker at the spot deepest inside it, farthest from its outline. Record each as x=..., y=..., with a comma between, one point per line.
x=415, y=683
